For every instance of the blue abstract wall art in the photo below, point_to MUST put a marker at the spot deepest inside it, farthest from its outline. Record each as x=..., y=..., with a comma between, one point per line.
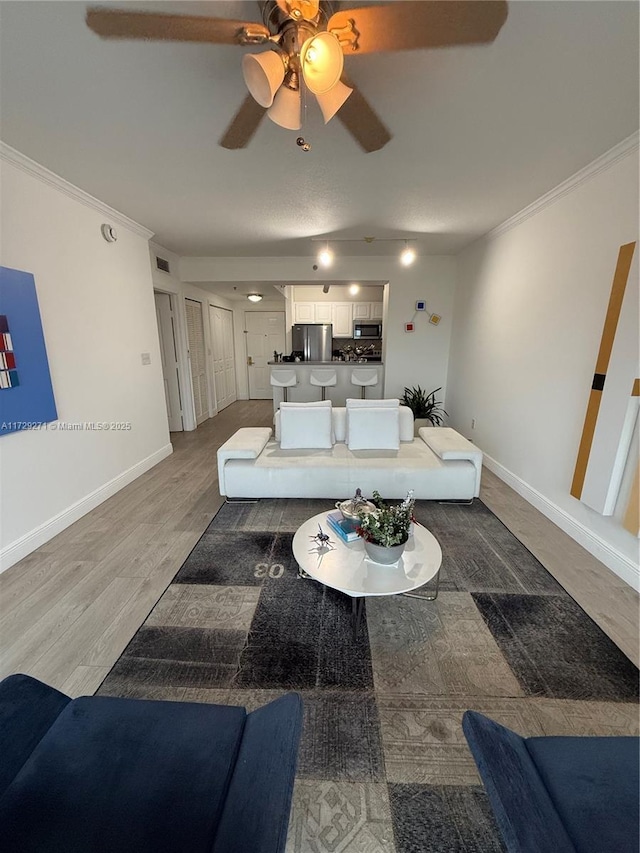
x=26, y=392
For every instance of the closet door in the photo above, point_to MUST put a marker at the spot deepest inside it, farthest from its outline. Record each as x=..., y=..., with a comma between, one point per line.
x=229, y=356
x=224, y=361
x=197, y=360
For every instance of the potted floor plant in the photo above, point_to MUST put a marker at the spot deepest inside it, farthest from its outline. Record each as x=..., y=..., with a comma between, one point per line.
x=385, y=530
x=427, y=411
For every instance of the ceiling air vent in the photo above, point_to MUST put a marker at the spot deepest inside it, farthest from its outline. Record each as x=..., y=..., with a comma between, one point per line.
x=162, y=264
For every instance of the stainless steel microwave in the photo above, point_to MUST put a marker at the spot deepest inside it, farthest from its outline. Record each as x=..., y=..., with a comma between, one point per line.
x=363, y=330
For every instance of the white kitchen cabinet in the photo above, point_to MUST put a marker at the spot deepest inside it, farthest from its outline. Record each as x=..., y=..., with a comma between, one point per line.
x=342, y=319
x=376, y=311
x=362, y=311
x=304, y=312
x=323, y=313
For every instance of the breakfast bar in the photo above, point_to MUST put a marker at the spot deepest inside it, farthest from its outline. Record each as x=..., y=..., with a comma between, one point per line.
x=370, y=373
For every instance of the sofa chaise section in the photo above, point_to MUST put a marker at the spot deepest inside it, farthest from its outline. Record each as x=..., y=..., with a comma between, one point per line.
x=104, y=774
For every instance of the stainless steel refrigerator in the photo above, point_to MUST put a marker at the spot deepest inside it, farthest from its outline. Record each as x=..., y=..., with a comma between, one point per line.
x=312, y=341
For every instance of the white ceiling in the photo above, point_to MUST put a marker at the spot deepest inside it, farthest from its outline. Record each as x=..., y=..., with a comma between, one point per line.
x=478, y=132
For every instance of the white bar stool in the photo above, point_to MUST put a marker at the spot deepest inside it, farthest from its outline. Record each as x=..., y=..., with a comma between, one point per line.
x=284, y=379
x=364, y=378
x=323, y=378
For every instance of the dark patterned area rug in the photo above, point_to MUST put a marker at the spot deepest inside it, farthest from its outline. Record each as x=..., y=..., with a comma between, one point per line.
x=383, y=767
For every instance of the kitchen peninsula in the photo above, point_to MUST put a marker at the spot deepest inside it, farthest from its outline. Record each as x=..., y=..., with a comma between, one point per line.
x=305, y=392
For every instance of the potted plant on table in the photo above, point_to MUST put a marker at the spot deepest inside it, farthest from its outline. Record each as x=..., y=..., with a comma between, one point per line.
x=427, y=411
x=385, y=529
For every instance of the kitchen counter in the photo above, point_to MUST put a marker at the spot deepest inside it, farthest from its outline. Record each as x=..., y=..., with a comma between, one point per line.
x=305, y=392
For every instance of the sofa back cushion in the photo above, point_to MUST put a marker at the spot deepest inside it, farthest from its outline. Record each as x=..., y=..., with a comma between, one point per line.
x=373, y=429
x=306, y=426
x=339, y=422
x=360, y=403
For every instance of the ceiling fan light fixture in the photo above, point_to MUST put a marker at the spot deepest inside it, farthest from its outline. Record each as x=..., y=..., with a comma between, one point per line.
x=254, y=297
x=331, y=101
x=263, y=73
x=407, y=255
x=286, y=108
x=322, y=61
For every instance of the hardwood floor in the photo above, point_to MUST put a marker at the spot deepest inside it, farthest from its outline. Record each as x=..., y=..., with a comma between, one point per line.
x=68, y=610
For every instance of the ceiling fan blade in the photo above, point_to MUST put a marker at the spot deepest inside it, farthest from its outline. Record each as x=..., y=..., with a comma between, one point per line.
x=410, y=25
x=120, y=24
x=243, y=125
x=362, y=122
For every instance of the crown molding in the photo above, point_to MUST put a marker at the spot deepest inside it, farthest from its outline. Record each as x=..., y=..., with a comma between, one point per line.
x=25, y=164
x=618, y=152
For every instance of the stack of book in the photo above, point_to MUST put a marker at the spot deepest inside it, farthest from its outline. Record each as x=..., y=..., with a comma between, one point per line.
x=344, y=527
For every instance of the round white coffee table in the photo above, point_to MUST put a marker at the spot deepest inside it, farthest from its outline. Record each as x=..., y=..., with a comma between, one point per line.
x=346, y=567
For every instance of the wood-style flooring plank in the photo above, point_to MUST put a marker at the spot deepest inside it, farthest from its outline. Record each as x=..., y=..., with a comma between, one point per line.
x=62, y=657
x=84, y=680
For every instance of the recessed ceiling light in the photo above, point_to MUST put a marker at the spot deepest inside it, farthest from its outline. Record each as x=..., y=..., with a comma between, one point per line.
x=254, y=297
x=354, y=288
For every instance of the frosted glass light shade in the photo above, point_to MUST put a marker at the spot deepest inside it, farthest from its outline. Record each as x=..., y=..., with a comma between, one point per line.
x=263, y=73
x=322, y=60
x=285, y=109
x=330, y=102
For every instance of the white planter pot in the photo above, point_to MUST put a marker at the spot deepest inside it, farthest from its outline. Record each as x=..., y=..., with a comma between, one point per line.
x=380, y=554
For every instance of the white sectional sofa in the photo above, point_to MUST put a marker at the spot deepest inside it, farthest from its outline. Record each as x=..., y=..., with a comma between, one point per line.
x=439, y=464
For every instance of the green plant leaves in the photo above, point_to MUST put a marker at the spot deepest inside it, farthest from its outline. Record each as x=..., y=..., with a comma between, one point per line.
x=424, y=405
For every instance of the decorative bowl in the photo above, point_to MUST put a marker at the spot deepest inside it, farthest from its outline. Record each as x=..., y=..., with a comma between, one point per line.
x=353, y=510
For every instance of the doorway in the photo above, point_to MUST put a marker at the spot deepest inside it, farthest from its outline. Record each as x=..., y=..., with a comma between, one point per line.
x=264, y=335
x=169, y=358
x=222, y=356
x=197, y=361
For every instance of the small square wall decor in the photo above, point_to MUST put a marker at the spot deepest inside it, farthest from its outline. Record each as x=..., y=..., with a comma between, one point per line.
x=26, y=392
x=409, y=327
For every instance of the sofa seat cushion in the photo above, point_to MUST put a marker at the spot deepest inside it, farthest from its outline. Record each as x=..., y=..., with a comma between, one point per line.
x=594, y=784
x=338, y=472
x=124, y=775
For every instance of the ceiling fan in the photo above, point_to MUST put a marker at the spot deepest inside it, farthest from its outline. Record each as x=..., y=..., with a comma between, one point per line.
x=306, y=44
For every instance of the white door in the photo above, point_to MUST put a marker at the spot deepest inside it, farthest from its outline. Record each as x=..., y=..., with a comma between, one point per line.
x=222, y=356
x=264, y=334
x=197, y=361
x=166, y=333
x=229, y=356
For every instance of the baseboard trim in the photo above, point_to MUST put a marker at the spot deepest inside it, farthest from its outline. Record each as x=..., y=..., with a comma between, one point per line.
x=590, y=541
x=35, y=538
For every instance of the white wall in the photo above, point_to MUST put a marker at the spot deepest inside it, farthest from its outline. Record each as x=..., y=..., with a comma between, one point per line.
x=420, y=358
x=98, y=316
x=530, y=308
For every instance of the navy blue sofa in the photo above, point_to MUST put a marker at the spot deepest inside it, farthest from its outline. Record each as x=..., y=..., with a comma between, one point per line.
x=559, y=794
x=100, y=774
